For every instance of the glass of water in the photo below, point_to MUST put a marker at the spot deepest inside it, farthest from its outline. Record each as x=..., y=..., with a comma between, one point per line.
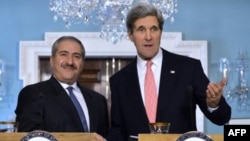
x=159, y=127
x=8, y=126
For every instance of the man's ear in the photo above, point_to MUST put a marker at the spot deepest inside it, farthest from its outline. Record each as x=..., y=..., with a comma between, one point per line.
x=130, y=36
x=51, y=61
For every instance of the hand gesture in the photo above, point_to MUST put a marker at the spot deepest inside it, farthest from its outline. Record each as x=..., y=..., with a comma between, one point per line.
x=214, y=93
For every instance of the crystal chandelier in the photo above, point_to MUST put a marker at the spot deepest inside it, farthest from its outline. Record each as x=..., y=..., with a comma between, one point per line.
x=109, y=14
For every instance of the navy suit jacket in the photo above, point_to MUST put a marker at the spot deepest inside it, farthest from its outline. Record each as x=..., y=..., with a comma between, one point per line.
x=182, y=87
x=47, y=106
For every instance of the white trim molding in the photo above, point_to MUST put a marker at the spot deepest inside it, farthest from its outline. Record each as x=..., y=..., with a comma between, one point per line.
x=239, y=121
x=31, y=51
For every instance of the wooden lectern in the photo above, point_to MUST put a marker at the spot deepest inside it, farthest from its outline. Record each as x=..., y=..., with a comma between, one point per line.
x=172, y=137
x=90, y=137
x=58, y=136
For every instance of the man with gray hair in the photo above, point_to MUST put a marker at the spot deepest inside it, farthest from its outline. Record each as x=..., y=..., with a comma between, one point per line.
x=177, y=84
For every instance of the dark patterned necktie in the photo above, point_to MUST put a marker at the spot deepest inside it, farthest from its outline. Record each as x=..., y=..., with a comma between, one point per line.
x=79, y=108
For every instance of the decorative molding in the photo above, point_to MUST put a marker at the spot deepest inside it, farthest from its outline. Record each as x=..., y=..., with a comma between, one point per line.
x=239, y=121
x=30, y=51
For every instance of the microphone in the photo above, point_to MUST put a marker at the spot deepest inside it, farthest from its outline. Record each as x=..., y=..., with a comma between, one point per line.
x=41, y=104
x=190, y=100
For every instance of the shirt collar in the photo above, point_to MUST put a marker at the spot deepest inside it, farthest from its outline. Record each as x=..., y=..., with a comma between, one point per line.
x=65, y=86
x=156, y=60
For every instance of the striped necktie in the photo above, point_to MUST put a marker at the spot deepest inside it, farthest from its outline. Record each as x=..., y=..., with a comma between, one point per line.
x=78, y=108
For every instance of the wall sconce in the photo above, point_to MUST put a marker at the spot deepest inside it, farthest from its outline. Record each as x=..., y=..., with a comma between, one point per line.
x=225, y=71
x=2, y=69
x=237, y=74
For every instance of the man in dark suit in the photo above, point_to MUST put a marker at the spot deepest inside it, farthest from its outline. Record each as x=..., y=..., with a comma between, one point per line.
x=180, y=81
x=47, y=105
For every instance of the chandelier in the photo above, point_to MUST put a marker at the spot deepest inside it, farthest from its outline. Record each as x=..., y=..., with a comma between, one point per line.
x=110, y=15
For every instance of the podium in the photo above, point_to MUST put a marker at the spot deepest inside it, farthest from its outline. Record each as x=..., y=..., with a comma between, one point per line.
x=76, y=136
x=172, y=137
x=59, y=136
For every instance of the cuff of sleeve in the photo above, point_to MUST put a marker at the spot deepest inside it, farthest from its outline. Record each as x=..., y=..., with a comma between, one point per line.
x=210, y=109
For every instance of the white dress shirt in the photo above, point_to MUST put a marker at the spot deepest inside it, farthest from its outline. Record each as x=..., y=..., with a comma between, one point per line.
x=156, y=68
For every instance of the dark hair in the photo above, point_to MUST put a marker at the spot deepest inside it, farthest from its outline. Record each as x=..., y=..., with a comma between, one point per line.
x=141, y=10
x=63, y=38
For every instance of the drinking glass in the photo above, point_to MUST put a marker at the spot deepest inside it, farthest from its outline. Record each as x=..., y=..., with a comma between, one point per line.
x=159, y=127
x=8, y=126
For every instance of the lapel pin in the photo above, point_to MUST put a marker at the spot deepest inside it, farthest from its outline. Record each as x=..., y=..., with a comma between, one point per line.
x=172, y=71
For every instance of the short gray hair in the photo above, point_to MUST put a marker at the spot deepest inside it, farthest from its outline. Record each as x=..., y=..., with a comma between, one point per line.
x=141, y=10
x=72, y=38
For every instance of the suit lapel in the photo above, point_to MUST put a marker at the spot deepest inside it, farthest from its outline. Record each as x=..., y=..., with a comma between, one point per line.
x=134, y=92
x=167, y=81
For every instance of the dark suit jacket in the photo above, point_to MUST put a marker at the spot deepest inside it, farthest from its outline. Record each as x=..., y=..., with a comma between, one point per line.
x=47, y=106
x=182, y=87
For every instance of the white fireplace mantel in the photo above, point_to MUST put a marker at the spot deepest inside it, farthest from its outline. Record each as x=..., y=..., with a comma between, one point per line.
x=30, y=51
